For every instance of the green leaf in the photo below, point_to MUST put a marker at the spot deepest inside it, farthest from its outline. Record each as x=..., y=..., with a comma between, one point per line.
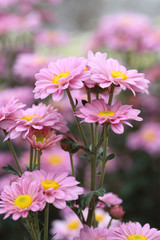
x=84, y=102
x=76, y=101
x=10, y=169
x=110, y=157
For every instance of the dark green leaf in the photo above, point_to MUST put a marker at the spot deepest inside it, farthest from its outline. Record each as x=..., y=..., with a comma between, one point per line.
x=76, y=101
x=10, y=169
x=84, y=102
x=111, y=156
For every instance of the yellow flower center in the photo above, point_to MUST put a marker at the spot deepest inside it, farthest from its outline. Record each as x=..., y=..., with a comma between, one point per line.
x=23, y=201
x=39, y=139
x=73, y=225
x=46, y=184
x=55, y=160
x=85, y=69
x=117, y=74
x=136, y=237
x=99, y=218
x=106, y=113
x=57, y=77
x=29, y=117
x=100, y=238
x=149, y=135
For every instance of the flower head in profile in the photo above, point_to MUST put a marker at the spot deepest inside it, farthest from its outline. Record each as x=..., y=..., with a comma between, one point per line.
x=87, y=233
x=60, y=75
x=110, y=199
x=134, y=231
x=104, y=73
x=21, y=197
x=42, y=139
x=57, y=188
x=37, y=117
x=116, y=115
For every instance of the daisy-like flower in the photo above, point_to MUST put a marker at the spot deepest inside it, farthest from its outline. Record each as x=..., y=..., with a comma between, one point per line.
x=57, y=188
x=87, y=233
x=116, y=115
x=37, y=117
x=42, y=139
x=111, y=199
x=9, y=113
x=20, y=197
x=60, y=75
x=103, y=219
x=107, y=72
x=134, y=231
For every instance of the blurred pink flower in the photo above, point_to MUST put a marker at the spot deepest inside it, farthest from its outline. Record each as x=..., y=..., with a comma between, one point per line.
x=87, y=233
x=116, y=115
x=110, y=199
x=5, y=158
x=7, y=179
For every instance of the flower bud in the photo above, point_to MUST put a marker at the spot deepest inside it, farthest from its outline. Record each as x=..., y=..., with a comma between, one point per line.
x=116, y=212
x=67, y=143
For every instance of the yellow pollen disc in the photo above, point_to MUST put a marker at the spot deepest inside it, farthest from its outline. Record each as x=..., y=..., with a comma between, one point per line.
x=55, y=160
x=46, y=184
x=136, y=237
x=57, y=77
x=148, y=135
x=99, y=218
x=39, y=139
x=106, y=113
x=73, y=225
x=85, y=69
x=23, y=201
x=117, y=74
x=29, y=117
x=100, y=238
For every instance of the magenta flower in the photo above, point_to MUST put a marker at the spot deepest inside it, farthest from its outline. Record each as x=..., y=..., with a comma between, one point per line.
x=20, y=197
x=60, y=75
x=87, y=233
x=37, y=117
x=42, y=139
x=116, y=115
x=57, y=188
x=111, y=199
x=134, y=231
x=104, y=73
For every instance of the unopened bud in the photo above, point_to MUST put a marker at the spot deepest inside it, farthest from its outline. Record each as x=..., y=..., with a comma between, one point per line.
x=67, y=143
x=116, y=212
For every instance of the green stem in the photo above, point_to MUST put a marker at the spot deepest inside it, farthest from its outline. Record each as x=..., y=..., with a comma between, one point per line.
x=39, y=159
x=105, y=145
x=14, y=155
x=111, y=95
x=76, y=118
x=35, y=158
x=46, y=221
x=100, y=139
x=32, y=228
x=109, y=224
x=31, y=159
x=37, y=226
x=72, y=166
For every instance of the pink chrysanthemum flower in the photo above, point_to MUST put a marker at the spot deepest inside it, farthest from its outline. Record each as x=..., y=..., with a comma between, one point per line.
x=134, y=231
x=111, y=199
x=20, y=197
x=42, y=139
x=60, y=75
x=57, y=188
x=37, y=117
x=107, y=72
x=87, y=233
x=9, y=113
x=116, y=115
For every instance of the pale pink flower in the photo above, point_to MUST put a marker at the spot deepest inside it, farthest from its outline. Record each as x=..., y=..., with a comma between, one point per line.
x=133, y=231
x=116, y=115
x=87, y=233
x=57, y=188
x=110, y=199
x=7, y=179
x=44, y=138
x=146, y=138
x=103, y=219
x=37, y=117
x=104, y=73
x=60, y=75
x=20, y=197
x=9, y=112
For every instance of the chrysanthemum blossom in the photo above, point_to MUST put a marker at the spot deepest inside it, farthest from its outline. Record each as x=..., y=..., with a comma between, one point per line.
x=42, y=139
x=107, y=72
x=60, y=75
x=57, y=188
x=21, y=197
x=87, y=233
x=37, y=117
x=134, y=231
x=116, y=115
x=110, y=199
x=9, y=112
x=103, y=219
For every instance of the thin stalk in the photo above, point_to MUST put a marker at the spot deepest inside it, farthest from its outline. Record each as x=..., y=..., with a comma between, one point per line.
x=37, y=226
x=100, y=139
x=76, y=118
x=14, y=155
x=35, y=158
x=46, y=221
x=39, y=159
x=31, y=159
x=109, y=224
x=72, y=166
x=105, y=145
x=111, y=95
x=31, y=227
